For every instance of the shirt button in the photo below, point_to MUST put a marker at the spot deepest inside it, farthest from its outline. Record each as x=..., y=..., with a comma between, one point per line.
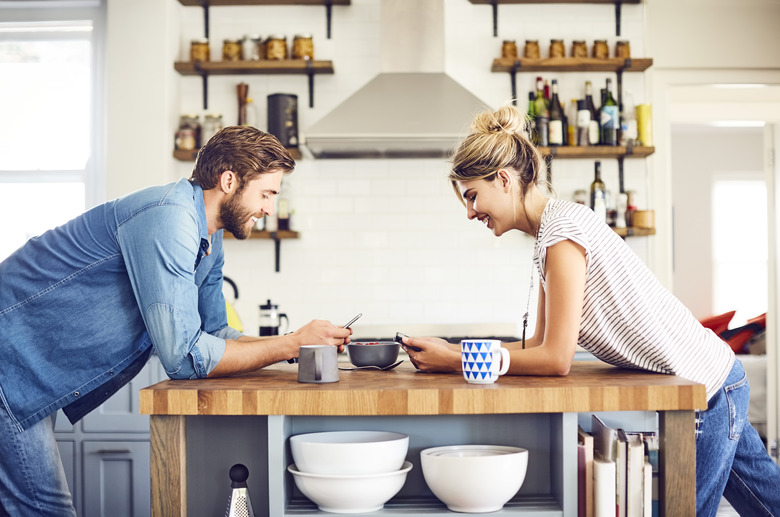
x=111, y=372
x=76, y=393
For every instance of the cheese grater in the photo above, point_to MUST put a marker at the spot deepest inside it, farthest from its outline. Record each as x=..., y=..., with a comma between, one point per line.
x=239, y=504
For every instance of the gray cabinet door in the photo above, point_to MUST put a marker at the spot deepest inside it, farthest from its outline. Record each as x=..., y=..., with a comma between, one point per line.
x=116, y=479
x=119, y=414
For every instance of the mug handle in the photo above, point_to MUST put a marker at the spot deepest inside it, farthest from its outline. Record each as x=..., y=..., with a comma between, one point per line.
x=504, y=360
x=318, y=364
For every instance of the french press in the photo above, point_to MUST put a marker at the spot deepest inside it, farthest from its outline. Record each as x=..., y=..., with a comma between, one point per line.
x=239, y=504
x=270, y=319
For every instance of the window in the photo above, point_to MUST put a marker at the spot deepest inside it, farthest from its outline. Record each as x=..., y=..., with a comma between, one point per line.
x=739, y=248
x=50, y=96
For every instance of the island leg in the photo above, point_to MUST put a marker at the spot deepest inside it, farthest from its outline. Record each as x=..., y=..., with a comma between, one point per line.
x=168, y=466
x=677, y=464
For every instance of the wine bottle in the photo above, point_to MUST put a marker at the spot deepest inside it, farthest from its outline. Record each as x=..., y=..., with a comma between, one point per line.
x=609, y=118
x=531, y=119
x=583, y=123
x=593, y=124
x=541, y=115
x=628, y=127
x=598, y=195
x=556, y=117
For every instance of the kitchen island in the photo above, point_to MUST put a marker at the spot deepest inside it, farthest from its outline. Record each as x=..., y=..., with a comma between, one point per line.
x=200, y=428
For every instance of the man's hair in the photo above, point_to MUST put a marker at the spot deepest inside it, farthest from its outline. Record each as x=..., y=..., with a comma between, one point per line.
x=245, y=150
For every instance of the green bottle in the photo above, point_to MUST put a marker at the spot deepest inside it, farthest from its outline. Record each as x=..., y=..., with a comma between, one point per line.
x=609, y=118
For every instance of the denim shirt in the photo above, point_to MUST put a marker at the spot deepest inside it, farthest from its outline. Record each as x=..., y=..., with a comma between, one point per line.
x=84, y=301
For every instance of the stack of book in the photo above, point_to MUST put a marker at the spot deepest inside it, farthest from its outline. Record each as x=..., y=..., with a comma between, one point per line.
x=617, y=472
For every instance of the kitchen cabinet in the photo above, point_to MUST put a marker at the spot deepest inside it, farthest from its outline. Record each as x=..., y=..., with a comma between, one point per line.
x=253, y=416
x=106, y=454
x=204, y=69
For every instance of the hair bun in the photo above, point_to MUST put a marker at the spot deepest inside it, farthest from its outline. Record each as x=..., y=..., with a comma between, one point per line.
x=507, y=119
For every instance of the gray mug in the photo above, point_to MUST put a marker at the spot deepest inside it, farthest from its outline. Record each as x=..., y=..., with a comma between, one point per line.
x=318, y=364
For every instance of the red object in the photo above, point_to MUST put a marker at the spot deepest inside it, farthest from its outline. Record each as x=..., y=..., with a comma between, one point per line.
x=720, y=323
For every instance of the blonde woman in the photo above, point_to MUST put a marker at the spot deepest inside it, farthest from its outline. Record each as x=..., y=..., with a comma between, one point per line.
x=595, y=292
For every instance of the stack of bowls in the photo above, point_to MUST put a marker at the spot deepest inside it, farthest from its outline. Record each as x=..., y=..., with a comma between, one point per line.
x=474, y=478
x=349, y=471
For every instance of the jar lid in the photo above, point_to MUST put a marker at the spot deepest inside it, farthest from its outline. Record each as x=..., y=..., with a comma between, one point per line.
x=231, y=40
x=200, y=40
x=302, y=36
x=532, y=41
x=556, y=41
x=509, y=41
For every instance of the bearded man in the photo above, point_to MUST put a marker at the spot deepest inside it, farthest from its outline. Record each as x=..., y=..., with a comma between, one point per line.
x=83, y=306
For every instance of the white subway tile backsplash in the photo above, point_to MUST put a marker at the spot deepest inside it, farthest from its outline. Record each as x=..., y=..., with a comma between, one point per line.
x=389, y=238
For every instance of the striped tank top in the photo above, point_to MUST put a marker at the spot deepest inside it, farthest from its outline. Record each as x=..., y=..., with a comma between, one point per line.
x=629, y=319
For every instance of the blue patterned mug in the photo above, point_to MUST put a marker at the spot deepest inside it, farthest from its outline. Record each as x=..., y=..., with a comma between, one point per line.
x=483, y=360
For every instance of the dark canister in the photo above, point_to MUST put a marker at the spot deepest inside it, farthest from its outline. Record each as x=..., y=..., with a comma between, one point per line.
x=283, y=118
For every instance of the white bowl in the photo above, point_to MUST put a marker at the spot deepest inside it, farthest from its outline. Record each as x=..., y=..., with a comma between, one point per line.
x=349, y=452
x=474, y=478
x=350, y=494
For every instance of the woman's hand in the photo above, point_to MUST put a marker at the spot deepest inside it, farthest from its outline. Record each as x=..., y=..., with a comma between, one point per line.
x=432, y=354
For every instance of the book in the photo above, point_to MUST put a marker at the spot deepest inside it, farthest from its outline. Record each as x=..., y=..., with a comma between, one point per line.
x=621, y=471
x=603, y=487
x=584, y=473
x=634, y=474
x=647, y=490
x=605, y=447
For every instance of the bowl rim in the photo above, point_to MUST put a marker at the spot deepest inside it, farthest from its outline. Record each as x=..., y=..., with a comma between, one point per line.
x=503, y=450
x=310, y=438
x=373, y=343
x=406, y=467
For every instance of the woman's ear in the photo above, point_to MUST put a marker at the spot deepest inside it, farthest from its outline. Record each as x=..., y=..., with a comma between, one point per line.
x=506, y=179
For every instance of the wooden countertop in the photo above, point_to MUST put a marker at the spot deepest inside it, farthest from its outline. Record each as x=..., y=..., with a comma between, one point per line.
x=275, y=390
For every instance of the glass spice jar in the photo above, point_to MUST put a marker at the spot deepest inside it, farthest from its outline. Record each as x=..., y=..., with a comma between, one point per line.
x=509, y=49
x=251, y=47
x=199, y=50
x=189, y=124
x=623, y=49
x=531, y=49
x=231, y=50
x=211, y=124
x=276, y=47
x=557, y=49
x=579, y=49
x=303, y=47
x=600, y=49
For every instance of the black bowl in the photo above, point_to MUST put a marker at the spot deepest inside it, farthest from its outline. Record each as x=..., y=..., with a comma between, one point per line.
x=373, y=353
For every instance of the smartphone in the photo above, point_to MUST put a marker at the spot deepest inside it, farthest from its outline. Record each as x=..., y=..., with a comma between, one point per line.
x=353, y=320
x=399, y=338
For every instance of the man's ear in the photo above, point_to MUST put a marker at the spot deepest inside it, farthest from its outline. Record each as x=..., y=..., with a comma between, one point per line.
x=228, y=182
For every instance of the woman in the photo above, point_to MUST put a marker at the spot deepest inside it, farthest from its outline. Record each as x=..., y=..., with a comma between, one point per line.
x=595, y=292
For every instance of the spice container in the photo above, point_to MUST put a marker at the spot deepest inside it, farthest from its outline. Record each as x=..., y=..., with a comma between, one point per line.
x=579, y=49
x=211, y=124
x=557, y=49
x=303, y=47
x=276, y=47
x=623, y=49
x=531, y=49
x=252, y=48
x=600, y=49
x=189, y=132
x=231, y=50
x=509, y=49
x=199, y=50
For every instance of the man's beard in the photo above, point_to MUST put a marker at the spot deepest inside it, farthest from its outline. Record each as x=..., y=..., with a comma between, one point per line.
x=235, y=217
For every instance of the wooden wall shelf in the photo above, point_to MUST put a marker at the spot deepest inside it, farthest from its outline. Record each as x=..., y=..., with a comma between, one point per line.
x=634, y=232
x=258, y=234
x=572, y=64
x=270, y=66
x=199, y=3
x=597, y=151
x=189, y=156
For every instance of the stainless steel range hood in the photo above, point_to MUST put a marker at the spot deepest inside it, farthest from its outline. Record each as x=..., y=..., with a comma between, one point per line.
x=412, y=108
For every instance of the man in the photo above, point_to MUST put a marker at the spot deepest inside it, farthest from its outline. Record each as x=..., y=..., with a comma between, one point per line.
x=83, y=305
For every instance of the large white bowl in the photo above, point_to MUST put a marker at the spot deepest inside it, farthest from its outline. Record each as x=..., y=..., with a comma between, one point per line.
x=349, y=452
x=474, y=478
x=350, y=494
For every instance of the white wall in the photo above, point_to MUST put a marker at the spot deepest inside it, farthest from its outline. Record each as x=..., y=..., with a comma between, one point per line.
x=699, y=154
x=386, y=238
